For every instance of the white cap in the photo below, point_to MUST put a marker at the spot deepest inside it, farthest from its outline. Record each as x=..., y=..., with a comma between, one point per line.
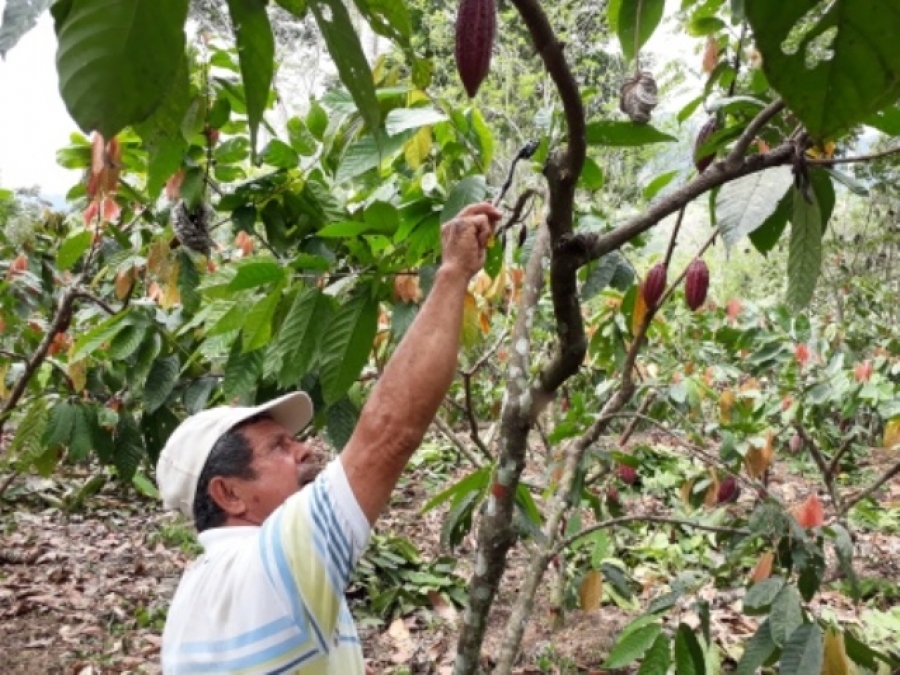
x=185, y=453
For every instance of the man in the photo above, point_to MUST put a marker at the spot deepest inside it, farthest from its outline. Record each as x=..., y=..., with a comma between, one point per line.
x=280, y=536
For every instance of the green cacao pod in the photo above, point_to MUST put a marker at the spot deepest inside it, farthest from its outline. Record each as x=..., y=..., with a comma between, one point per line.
x=696, y=284
x=476, y=25
x=654, y=284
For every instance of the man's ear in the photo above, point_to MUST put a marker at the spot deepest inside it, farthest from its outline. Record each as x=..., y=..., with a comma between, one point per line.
x=222, y=491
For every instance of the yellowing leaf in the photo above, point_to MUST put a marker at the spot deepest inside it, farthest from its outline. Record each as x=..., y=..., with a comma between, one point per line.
x=726, y=403
x=759, y=456
x=686, y=489
x=417, y=148
x=590, y=593
x=712, y=492
x=836, y=661
x=763, y=569
x=639, y=312
x=471, y=323
x=171, y=296
x=158, y=256
x=123, y=283
x=4, y=392
x=77, y=372
x=892, y=433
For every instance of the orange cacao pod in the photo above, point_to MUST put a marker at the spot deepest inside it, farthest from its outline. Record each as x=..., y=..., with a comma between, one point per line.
x=476, y=25
x=696, y=284
x=707, y=130
x=654, y=284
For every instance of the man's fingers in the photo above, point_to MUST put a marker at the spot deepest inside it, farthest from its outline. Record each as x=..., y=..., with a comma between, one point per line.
x=482, y=209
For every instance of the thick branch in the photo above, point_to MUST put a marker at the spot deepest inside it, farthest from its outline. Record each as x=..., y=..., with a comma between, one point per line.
x=590, y=246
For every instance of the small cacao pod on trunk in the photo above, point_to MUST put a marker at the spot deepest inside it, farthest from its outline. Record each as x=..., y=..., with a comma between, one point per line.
x=476, y=25
x=654, y=284
x=796, y=444
x=627, y=474
x=729, y=491
x=696, y=284
x=192, y=227
x=708, y=129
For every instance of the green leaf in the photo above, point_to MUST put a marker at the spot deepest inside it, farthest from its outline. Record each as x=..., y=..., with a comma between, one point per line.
x=404, y=119
x=197, y=394
x=26, y=443
x=279, y=154
x=389, y=18
x=258, y=326
x=760, y=596
x=82, y=442
x=60, y=424
x=340, y=421
x=298, y=337
x=632, y=645
x=654, y=186
x=745, y=204
x=823, y=187
x=757, y=652
x=786, y=615
x=129, y=448
x=688, y=652
x=116, y=60
x=601, y=273
x=843, y=548
x=766, y=236
x=366, y=154
x=160, y=382
x=296, y=7
x=233, y=150
x=350, y=336
x=657, y=659
x=146, y=355
x=804, y=652
x=103, y=332
x=343, y=44
x=625, y=134
x=887, y=121
x=805, y=257
x=834, y=64
x=188, y=281
x=637, y=19
x=469, y=190
x=256, y=54
x=242, y=371
x=72, y=249
x=256, y=273
x=301, y=138
x=19, y=17
x=144, y=485
x=854, y=185
x=591, y=175
x=475, y=482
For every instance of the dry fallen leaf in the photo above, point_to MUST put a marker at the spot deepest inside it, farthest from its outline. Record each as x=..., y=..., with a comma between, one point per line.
x=763, y=569
x=590, y=593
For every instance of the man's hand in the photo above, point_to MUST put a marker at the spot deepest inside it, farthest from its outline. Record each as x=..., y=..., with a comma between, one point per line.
x=465, y=238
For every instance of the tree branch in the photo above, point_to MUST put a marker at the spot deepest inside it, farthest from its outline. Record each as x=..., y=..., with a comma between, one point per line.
x=849, y=160
x=853, y=501
x=457, y=441
x=736, y=156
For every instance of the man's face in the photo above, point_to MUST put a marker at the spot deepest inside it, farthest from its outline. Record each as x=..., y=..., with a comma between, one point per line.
x=282, y=464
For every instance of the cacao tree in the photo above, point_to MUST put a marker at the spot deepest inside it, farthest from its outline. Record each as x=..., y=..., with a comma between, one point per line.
x=214, y=257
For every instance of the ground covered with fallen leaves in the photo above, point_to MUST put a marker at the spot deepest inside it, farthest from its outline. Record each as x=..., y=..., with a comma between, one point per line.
x=84, y=584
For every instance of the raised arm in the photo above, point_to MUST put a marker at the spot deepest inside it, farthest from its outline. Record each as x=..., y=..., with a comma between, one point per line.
x=416, y=379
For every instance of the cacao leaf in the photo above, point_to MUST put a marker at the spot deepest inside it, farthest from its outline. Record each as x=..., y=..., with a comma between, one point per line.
x=296, y=344
x=758, y=650
x=258, y=327
x=632, y=645
x=834, y=64
x=843, y=548
x=469, y=190
x=59, y=426
x=242, y=370
x=389, y=18
x=116, y=61
x=301, y=138
x=340, y=421
x=19, y=17
x=657, y=659
x=343, y=44
x=760, y=596
x=82, y=442
x=350, y=336
x=805, y=256
x=625, y=134
x=256, y=273
x=72, y=249
x=256, y=55
x=763, y=569
x=767, y=235
x=279, y=154
x=688, y=652
x=368, y=153
x=636, y=21
x=408, y=119
x=296, y=7
x=745, y=204
x=786, y=615
x=160, y=382
x=129, y=446
x=804, y=652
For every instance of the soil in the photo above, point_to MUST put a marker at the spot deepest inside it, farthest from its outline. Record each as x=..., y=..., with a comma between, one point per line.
x=85, y=592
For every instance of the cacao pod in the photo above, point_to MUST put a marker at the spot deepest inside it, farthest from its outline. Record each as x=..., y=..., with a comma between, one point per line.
x=638, y=97
x=612, y=496
x=476, y=25
x=627, y=474
x=192, y=227
x=696, y=284
x=796, y=443
x=708, y=129
x=654, y=284
x=729, y=491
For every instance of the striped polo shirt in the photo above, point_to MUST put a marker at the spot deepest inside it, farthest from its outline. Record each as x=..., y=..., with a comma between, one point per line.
x=270, y=599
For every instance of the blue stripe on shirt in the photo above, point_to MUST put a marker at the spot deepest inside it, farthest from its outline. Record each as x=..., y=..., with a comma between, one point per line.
x=244, y=639
x=275, y=651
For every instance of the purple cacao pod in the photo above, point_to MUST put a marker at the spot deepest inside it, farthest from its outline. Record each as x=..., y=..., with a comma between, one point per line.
x=696, y=284
x=708, y=129
x=654, y=284
x=476, y=26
